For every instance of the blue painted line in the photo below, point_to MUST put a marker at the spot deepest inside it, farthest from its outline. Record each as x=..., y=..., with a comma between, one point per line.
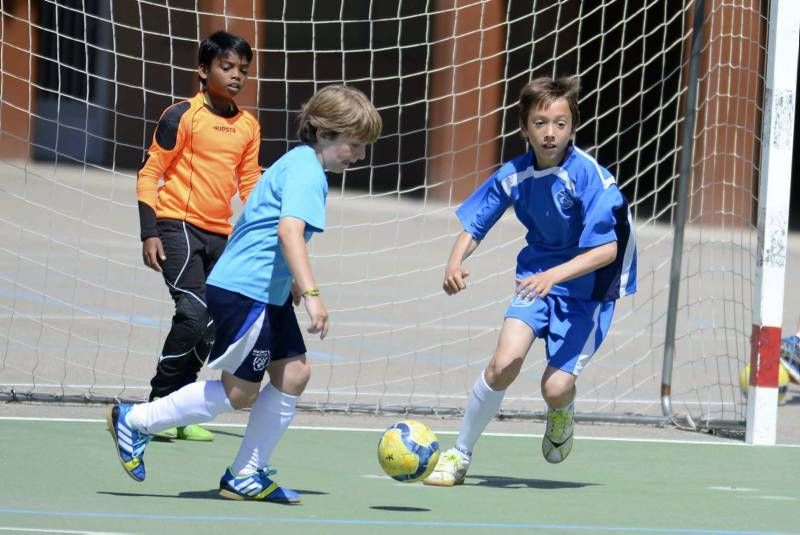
x=319, y=355
x=392, y=523
x=372, y=350
x=32, y=297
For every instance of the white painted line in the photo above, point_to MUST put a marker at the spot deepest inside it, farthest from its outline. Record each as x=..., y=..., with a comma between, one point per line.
x=418, y=395
x=381, y=430
x=733, y=489
x=46, y=530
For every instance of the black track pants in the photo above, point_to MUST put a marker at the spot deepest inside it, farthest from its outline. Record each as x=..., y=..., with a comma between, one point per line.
x=191, y=253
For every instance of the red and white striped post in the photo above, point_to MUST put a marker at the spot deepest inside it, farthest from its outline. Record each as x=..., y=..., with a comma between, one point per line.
x=773, y=220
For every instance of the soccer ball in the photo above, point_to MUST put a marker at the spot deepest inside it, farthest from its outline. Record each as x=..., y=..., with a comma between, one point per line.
x=783, y=381
x=408, y=451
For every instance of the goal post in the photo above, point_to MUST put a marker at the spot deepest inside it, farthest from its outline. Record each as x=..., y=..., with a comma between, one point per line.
x=82, y=89
x=773, y=220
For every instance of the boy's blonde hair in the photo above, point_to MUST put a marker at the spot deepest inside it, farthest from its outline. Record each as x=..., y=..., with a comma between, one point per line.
x=337, y=109
x=544, y=91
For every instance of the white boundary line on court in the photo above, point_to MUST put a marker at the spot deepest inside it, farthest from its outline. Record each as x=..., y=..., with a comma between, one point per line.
x=420, y=395
x=51, y=530
x=380, y=429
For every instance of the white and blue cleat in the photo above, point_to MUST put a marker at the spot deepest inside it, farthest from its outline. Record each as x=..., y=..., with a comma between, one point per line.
x=256, y=486
x=129, y=442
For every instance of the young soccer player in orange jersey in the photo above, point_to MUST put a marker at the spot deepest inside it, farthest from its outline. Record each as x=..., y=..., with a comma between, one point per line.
x=204, y=150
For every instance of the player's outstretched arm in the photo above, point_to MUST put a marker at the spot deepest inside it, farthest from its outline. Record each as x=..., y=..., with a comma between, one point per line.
x=293, y=246
x=592, y=259
x=454, y=273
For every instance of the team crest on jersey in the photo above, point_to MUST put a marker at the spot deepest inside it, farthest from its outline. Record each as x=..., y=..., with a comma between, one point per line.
x=565, y=200
x=260, y=359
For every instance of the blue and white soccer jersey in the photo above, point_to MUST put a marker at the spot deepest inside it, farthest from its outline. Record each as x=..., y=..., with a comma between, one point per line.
x=566, y=210
x=253, y=266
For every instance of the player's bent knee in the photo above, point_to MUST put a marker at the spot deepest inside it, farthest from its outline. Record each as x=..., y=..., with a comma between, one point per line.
x=241, y=399
x=241, y=393
x=290, y=376
x=558, y=393
x=192, y=314
x=501, y=372
x=294, y=383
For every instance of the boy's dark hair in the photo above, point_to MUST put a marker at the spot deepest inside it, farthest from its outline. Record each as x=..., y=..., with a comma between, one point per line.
x=544, y=91
x=220, y=43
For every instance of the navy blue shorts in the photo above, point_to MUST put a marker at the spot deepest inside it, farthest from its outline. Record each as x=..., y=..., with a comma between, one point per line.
x=250, y=334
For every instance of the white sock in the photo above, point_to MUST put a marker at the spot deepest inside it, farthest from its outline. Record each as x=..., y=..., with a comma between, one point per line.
x=193, y=404
x=482, y=406
x=270, y=416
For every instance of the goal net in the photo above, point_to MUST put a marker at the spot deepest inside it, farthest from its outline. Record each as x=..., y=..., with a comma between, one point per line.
x=83, y=86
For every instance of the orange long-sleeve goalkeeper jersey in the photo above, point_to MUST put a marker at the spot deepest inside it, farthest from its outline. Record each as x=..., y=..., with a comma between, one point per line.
x=203, y=159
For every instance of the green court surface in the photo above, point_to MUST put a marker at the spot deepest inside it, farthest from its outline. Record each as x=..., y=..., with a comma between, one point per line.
x=63, y=477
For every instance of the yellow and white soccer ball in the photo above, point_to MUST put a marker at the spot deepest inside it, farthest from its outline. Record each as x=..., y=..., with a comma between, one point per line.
x=408, y=451
x=783, y=380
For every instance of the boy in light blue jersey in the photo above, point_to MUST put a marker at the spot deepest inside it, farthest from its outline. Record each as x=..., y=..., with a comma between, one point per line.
x=294, y=186
x=263, y=271
x=580, y=256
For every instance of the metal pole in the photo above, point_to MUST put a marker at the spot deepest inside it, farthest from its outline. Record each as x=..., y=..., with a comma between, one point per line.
x=773, y=220
x=687, y=151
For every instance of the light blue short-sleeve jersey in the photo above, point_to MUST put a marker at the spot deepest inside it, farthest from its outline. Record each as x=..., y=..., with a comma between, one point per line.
x=566, y=210
x=253, y=263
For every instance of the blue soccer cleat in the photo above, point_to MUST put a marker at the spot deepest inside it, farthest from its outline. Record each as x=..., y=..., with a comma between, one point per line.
x=257, y=486
x=129, y=442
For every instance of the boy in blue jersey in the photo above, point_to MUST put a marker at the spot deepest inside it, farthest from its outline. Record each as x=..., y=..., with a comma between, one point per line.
x=262, y=272
x=579, y=258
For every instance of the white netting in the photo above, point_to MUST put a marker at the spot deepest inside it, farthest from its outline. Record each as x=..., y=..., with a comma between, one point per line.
x=83, y=85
